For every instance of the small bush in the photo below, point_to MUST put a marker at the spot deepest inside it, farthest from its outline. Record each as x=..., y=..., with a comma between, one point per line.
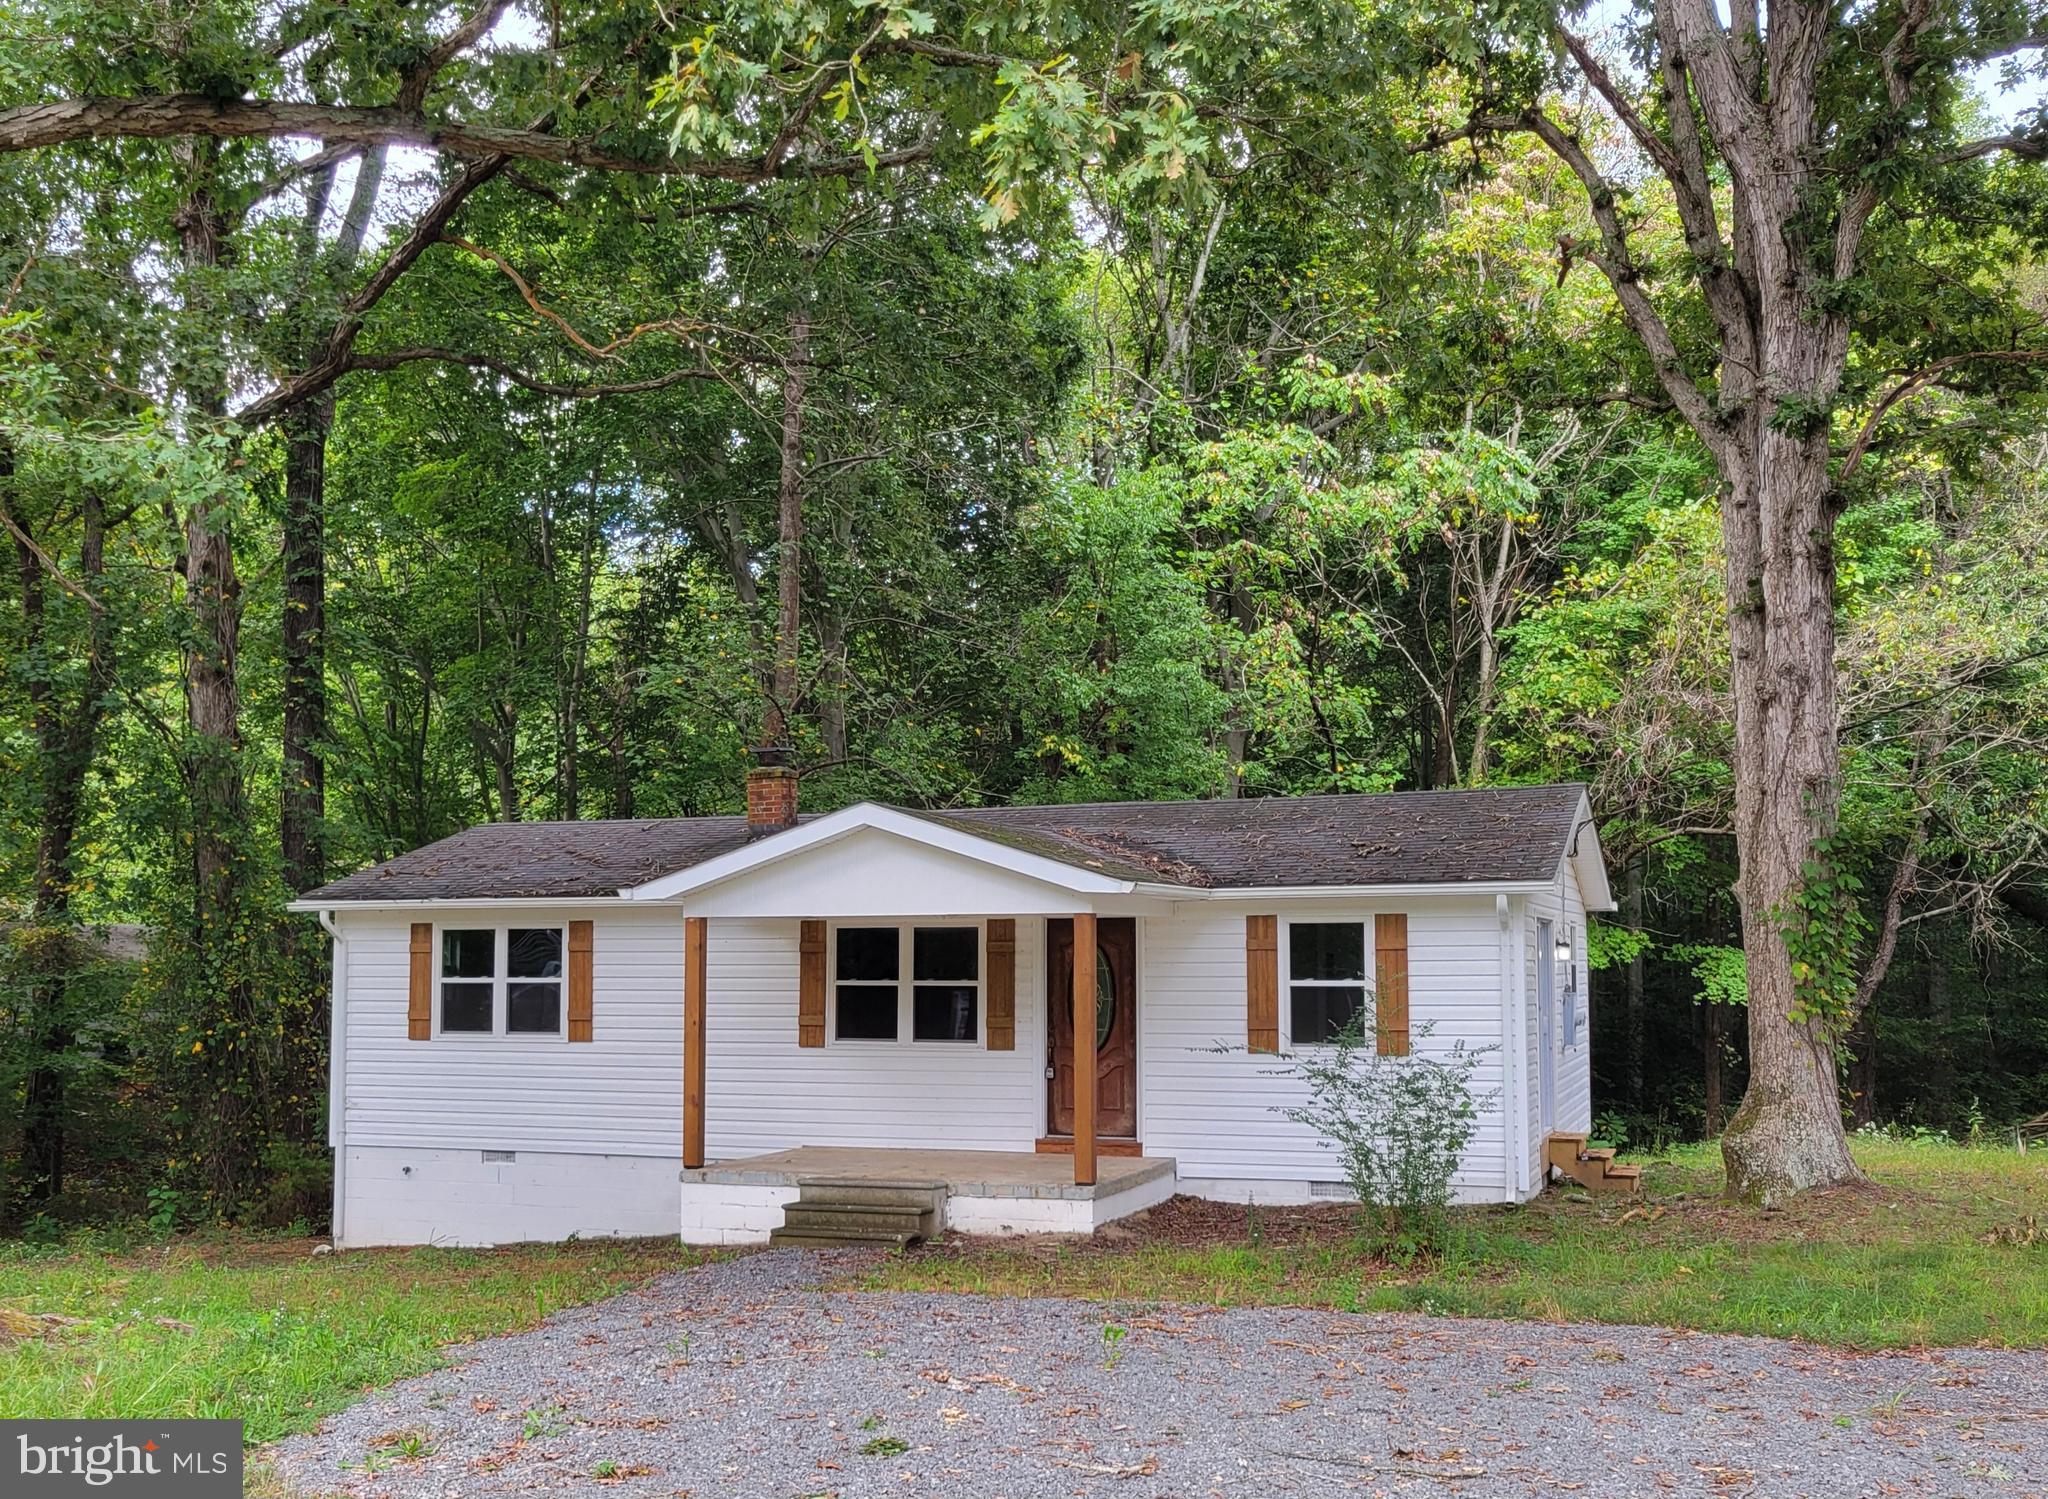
x=1399, y=1126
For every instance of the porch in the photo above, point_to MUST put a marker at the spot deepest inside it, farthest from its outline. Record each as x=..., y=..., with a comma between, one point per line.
x=744, y=1200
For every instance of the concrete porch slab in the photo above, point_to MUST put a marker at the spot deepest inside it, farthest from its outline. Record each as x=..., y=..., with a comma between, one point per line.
x=963, y=1173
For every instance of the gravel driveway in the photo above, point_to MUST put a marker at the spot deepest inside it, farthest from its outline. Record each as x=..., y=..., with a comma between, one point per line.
x=742, y=1379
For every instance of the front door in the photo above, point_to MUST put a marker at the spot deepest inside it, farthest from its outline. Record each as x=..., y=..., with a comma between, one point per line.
x=1116, y=1025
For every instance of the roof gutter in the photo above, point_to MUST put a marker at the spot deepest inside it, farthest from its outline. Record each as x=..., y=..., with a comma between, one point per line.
x=1343, y=892
x=453, y=903
x=1149, y=889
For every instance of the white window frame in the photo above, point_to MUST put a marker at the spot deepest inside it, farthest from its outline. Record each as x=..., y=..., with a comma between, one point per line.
x=1287, y=980
x=1569, y=989
x=905, y=984
x=500, y=962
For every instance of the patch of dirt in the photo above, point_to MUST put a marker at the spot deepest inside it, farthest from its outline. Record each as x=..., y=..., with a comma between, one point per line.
x=1180, y=1223
x=1863, y=1212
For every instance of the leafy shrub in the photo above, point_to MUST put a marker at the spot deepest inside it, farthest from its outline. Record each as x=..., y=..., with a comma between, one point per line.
x=1399, y=1126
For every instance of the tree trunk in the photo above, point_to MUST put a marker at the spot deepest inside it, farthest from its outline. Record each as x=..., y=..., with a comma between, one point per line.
x=1482, y=709
x=789, y=510
x=1863, y=1069
x=579, y=659
x=1777, y=528
x=1940, y=1081
x=303, y=808
x=832, y=680
x=1770, y=282
x=304, y=799
x=1712, y=1029
x=231, y=1123
x=66, y=741
x=1633, y=905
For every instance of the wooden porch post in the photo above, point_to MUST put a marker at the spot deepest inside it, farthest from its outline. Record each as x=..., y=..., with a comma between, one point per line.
x=693, y=1041
x=1084, y=1049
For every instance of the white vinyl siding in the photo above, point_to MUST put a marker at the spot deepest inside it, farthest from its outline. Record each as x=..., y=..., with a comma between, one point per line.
x=619, y=1094
x=763, y=1092
x=1563, y=907
x=1214, y=1110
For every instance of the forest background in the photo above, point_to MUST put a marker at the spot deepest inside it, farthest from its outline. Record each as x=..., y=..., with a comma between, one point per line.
x=415, y=414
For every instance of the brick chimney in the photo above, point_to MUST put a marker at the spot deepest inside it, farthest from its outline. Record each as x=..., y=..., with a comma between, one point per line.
x=771, y=791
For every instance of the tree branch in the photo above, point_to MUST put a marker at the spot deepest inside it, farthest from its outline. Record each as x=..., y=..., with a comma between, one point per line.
x=1618, y=265
x=2026, y=147
x=1682, y=160
x=394, y=358
x=412, y=89
x=152, y=117
x=1919, y=380
x=683, y=328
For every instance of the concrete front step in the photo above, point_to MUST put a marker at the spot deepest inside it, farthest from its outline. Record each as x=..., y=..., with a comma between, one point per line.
x=816, y=1191
x=854, y=1211
x=859, y=1217
x=803, y=1238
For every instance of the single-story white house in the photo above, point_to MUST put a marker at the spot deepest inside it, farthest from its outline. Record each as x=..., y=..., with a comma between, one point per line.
x=1047, y=1016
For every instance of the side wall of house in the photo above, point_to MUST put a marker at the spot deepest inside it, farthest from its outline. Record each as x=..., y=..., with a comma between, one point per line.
x=1564, y=907
x=1219, y=1111
x=497, y=1139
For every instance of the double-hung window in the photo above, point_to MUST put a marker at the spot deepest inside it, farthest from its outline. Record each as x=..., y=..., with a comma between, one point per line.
x=1326, y=987
x=501, y=981
x=923, y=982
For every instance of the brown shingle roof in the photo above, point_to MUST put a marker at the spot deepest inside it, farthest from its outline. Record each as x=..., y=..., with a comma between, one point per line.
x=1510, y=833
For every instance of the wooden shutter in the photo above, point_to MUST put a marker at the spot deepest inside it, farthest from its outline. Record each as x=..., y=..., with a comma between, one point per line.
x=695, y=1004
x=419, y=999
x=810, y=992
x=1390, y=983
x=580, y=977
x=1001, y=984
x=1262, y=983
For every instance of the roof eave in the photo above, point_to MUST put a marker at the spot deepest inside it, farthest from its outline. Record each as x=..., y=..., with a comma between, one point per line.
x=308, y=906
x=1345, y=892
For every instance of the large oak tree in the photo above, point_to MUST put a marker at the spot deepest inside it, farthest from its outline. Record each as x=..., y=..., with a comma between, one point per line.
x=1788, y=139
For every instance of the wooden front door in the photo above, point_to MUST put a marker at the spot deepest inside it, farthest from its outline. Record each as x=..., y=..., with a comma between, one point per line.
x=1116, y=1025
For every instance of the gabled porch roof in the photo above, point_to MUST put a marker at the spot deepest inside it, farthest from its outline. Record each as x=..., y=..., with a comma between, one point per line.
x=874, y=861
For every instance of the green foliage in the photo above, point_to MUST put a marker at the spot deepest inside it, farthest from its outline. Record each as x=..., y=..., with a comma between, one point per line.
x=1826, y=931
x=1723, y=978
x=1610, y=946
x=1399, y=1125
x=1110, y=673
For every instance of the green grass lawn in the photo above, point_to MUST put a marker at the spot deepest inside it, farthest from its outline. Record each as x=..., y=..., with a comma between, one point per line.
x=266, y=1332
x=1947, y=1246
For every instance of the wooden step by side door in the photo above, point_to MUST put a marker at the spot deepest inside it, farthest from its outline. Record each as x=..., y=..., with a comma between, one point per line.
x=1116, y=1028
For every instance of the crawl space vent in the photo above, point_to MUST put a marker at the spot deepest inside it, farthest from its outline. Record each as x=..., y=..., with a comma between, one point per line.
x=501, y=1155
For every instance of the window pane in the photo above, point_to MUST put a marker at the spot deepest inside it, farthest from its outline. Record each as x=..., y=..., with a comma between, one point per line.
x=1320, y=1013
x=867, y=952
x=534, y=952
x=867, y=1013
x=946, y=952
x=1326, y=950
x=465, y=1007
x=533, y=1007
x=943, y=1012
x=469, y=955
